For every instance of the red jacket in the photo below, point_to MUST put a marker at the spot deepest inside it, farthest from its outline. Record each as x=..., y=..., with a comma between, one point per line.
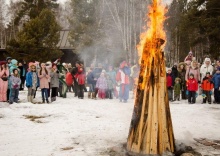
x=169, y=80
x=207, y=85
x=192, y=85
x=80, y=77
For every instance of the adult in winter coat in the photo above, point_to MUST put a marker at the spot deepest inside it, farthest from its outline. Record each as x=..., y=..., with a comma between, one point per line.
x=193, y=69
x=4, y=76
x=207, y=87
x=175, y=71
x=14, y=65
x=188, y=59
x=91, y=82
x=181, y=74
x=32, y=82
x=122, y=78
x=216, y=66
x=44, y=84
x=22, y=75
x=101, y=84
x=192, y=87
x=170, y=84
x=206, y=67
x=216, y=81
x=112, y=74
x=54, y=82
x=15, y=82
x=110, y=87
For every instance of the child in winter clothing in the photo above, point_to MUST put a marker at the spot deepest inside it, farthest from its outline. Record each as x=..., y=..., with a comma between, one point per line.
x=177, y=89
x=15, y=82
x=54, y=82
x=101, y=85
x=4, y=75
x=32, y=82
x=81, y=82
x=44, y=84
x=216, y=81
x=170, y=83
x=110, y=87
x=91, y=82
x=207, y=87
x=192, y=87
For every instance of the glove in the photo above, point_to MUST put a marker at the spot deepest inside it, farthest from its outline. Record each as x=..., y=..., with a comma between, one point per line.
x=187, y=92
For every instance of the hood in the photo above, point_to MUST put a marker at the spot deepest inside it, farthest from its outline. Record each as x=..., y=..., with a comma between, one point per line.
x=14, y=62
x=207, y=59
x=181, y=63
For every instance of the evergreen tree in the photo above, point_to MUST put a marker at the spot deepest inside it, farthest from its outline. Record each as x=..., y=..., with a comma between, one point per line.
x=37, y=40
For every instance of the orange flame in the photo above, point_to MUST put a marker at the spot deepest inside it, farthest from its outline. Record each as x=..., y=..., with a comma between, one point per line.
x=148, y=46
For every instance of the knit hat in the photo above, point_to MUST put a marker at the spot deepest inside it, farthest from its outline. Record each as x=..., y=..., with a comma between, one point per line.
x=190, y=53
x=207, y=59
x=8, y=58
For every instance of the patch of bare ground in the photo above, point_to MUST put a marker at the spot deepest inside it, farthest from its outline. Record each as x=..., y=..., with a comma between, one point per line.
x=67, y=148
x=35, y=118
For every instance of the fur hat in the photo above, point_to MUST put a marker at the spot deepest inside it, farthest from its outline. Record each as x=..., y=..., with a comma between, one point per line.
x=207, y=60
x=8, y=58
x=14, y=62
x=177, y=79
x=208, y=73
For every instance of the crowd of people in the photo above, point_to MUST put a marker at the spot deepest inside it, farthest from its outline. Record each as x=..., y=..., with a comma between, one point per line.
x=100, y=82
x=189, y=79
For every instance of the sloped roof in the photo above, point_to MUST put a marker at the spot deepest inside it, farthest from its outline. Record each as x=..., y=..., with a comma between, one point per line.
x=64, y=40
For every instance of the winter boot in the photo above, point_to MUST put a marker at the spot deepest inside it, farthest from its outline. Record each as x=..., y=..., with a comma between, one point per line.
x=29, y=98
x=89, y=95
x=47, y=101
x=32, y=100
x=43, y=101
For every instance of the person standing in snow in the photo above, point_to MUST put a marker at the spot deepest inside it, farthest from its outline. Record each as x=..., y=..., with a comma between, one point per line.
x=32, y=82
x=170, y=84
x=112, y=74
x=15, y=82
x=192, y=87
x=207, y=87
x=54, y=82
x=177, y=89
x=181, y=74
x=110, y=87
x=44, y=84
x=216, y=81
x=4, y=76
x=122, y=78
x=80, y=77
x=91, y=82
x=193, y=69
x=22, y=75
x=188, y=59
x=206, y=67
x=175, y=71
x=101, y=84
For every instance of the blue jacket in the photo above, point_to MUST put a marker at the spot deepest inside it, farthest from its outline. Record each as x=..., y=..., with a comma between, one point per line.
x=90, y=79
x=216, y=81
x=29, y=82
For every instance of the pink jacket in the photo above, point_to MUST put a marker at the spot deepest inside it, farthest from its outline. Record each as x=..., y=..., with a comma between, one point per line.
x=194, y=71
x=44, y=83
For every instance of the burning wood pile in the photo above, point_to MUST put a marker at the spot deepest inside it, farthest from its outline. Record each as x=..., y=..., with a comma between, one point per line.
x=151, y=130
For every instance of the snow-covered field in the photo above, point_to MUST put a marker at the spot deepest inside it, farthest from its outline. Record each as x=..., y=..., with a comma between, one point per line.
x=76, y=127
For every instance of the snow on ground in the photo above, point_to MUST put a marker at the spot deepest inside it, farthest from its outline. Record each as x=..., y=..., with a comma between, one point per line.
x=88, y=127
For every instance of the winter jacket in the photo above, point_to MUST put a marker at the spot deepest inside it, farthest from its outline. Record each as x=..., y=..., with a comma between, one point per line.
x=182, y=73
x=170, y=80
x=110, y=84
x=177, y=89
x=80, y=76
x=112, y=75
x=194, y=71
x=123, y=75
x=207, y=84
x=4, y=73
x=15, y=82
x=101, y=83
x=204, y=68
x=22, y=71
x=174, y=72
x=54, y=79
x=44, y=83
x=90, y=78
x=192, y=84
x=216, y=80
x=29, y=80
x=13, y=66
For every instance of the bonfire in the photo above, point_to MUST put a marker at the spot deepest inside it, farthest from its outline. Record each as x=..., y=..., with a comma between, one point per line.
x=151, y=130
